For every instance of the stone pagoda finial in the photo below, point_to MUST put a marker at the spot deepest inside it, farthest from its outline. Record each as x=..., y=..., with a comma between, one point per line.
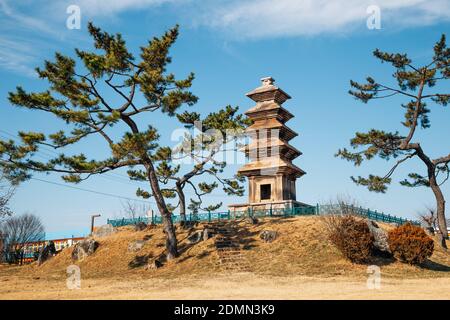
x=267, y=81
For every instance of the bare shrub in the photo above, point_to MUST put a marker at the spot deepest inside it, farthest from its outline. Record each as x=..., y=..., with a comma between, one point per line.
x=410, y=244
x=133, y=210
x=351, y=236
x=6, y=192
x=18, y=232
x=429, y=219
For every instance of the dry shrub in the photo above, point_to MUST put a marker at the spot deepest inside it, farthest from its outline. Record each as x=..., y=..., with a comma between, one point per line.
x=351, y=236
x=410, y=244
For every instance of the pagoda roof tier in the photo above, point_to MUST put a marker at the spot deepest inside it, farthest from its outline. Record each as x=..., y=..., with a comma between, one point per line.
x=270, y=166
x=285, y=148
x=268, y=91
x=271, y=124
x=269, y=109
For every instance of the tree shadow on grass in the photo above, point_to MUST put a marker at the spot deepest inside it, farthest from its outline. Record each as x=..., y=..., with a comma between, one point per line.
x=382, y=259
x=139, y=261
x=435, y=266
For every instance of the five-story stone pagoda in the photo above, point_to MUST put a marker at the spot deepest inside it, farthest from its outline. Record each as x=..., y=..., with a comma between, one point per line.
x=270, y=171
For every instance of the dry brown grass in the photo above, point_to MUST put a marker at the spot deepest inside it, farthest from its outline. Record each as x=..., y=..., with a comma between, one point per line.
x=302, y=249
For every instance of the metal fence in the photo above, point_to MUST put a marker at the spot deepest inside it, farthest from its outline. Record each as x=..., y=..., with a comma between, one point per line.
x=283, y=212
x=362, y=212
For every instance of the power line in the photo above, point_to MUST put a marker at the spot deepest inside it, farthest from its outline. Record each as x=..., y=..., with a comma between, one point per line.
x=93, y=191
x=111, y=176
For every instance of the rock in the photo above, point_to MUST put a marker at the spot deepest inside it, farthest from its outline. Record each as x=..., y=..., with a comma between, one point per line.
x=84, y=248
x=138, y=261
x=140, y=226
x=147, y=237
x=206, y=234
x=429, y=231
x=380, y=237
x=195, y=237
x=268, y=235
x=46, y=252
x=252, y=220
x=136, y=245
x=103, y=231
x=153, y=265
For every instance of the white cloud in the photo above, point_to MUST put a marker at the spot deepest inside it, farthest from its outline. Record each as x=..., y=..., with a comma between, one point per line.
x=110, y=7
x=16, y=56
x=28, y=28
x=268, y=18
x=23, y=21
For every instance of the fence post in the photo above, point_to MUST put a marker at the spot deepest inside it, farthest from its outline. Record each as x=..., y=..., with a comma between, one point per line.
x=209, y=216
x=317, y=209
x=229, y=214
x=270, y=210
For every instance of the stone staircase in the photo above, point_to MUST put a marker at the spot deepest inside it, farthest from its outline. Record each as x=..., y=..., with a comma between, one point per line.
x=228, y=246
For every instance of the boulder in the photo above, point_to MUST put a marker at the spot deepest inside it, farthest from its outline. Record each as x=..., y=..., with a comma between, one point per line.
x=268, y=235
x=252, y=220
x=46, y=252
x=153, y=265
x=103, y=231
x=195, y=237
x=206, y=234
x=429, y=231
x=136, y=245
x=140, y=226
x=84, y=248
x=380, y=237
x=138, y=261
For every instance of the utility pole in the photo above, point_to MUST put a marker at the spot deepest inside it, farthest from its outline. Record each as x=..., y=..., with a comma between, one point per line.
x=150, y=216
x=92, y=221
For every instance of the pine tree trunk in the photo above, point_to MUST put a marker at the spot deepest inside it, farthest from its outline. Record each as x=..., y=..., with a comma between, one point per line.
x=171, y=238
x=169, y=230
x=440, y=206
x=182, y=200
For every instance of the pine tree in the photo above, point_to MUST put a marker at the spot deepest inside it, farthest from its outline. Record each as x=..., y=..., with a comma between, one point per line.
x=216, y=132
x=413, y=82
x=79, y=98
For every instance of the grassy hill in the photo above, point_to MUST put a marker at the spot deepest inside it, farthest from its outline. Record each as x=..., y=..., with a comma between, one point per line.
x=301, y=248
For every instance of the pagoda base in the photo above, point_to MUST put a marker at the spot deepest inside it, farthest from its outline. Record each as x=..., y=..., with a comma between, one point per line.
x=274, y=205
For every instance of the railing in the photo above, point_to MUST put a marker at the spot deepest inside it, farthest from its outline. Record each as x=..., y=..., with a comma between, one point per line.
x=273, y=212
x=366, y=213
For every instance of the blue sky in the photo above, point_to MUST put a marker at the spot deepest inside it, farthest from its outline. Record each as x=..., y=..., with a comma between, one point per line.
x=311, y=48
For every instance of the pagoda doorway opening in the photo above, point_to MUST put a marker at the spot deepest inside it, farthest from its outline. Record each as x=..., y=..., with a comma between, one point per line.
x=266, y=191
